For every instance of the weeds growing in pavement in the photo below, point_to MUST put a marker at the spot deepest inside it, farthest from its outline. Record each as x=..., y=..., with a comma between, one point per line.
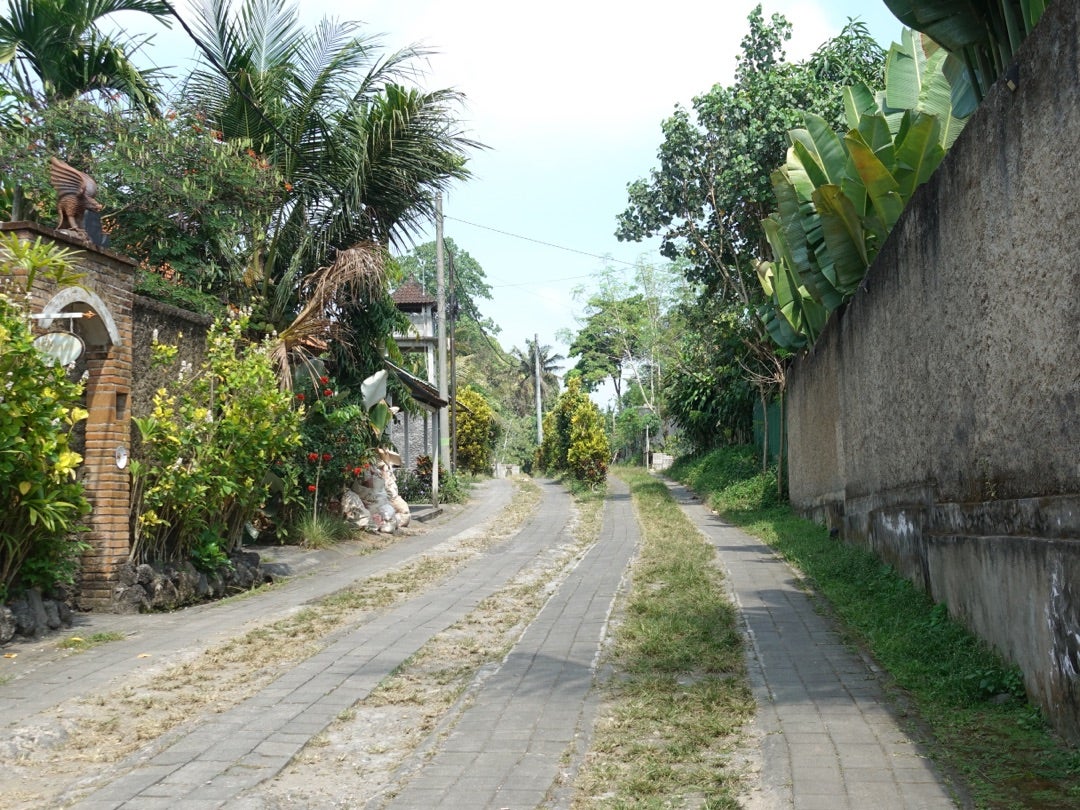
x=678, y=695
x=972, y=703
x=78, y=643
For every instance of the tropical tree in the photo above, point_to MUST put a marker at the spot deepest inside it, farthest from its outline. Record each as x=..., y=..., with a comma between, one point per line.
x=525, y=394
x=711, y=191
x=601, y=345
x=466, y=281
x=55, y=49
x=360, y=155
x=839, y=197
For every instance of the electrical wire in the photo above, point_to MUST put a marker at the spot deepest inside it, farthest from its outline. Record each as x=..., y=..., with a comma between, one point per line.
x=545, y=244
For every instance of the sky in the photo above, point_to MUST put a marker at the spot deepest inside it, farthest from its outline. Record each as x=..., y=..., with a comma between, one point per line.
x=568, y=96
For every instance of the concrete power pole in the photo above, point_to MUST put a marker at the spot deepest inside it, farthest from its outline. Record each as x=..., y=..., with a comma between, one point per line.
x=440, y=283
x=539, y=419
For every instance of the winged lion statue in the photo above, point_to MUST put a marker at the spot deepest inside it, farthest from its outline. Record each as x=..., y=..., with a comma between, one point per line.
x=75, y=193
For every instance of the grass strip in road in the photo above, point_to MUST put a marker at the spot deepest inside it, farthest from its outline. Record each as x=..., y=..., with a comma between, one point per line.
x=678, y=696
x=970, y=702
x=362, y=752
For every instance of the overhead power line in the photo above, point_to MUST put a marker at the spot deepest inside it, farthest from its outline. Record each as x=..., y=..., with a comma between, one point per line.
x=541, y=242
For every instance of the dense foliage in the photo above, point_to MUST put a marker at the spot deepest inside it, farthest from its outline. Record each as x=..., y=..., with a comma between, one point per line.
x=207, y=449
x=839, y=196
x=41, y=502
x=477, y=432
x=575, y=442
x=707, y=200
x=338, y=439
x=183, y=203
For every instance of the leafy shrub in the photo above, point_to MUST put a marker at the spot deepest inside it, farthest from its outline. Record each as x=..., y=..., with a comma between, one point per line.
x=41, y=503
x=415, y=485
x=575, y=441
x=155, y=286
x=477, y=432
x=338, y=440
x=732, y=475
x=208, y=448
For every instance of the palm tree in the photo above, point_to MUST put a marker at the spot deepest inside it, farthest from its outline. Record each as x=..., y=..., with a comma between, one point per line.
x=59, y=42
x=526, y=371
x=360, y=155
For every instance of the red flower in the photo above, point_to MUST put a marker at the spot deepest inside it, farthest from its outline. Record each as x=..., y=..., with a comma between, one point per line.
x=357, y=470
x=310, y=487
x=312, y=456
x=327, y=393
x=326, y=456
x=300, y=397
x=324, y=380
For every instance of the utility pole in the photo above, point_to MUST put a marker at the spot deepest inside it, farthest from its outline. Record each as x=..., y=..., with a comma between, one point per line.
x=440, y=283
x=539, y=419
x=453, y=313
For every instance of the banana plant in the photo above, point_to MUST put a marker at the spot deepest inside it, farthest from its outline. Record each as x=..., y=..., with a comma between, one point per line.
x=982, y=37
x=838, y=198
x=792, y=318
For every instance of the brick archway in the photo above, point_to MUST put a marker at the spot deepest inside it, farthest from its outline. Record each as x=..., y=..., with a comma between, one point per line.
x=107, y=437
x=106, y=293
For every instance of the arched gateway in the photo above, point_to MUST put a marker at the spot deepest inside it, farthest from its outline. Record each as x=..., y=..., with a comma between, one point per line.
x=105, y=294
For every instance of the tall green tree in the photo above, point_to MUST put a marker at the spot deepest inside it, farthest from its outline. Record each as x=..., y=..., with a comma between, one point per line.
x=550, y=365
x=55, y=49
x=707, y=198
x=469, y=285
x=711, y=191
x=361, y=154
x=626, y=333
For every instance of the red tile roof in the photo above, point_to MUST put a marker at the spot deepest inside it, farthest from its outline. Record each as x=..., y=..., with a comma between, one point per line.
x=411, y=293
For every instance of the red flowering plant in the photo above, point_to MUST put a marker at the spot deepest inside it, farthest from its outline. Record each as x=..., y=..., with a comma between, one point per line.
x=338, y=439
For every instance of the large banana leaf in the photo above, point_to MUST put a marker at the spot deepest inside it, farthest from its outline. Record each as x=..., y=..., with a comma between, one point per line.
x=915, y=80
x=880, y=186
x=805, y=176
x=778, y=327
x=845, y=237
x=905, y=69
x=955, y=24
x=859, y=100
x=918, y=154
x=786, y=231
x=821, y=145
x=792, y=302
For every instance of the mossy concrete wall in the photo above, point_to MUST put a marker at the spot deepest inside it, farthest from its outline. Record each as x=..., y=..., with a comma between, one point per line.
x=937, y=420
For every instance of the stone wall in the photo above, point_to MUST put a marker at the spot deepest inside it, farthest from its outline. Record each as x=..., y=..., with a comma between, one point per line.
x=937, y=420
x=172, y=326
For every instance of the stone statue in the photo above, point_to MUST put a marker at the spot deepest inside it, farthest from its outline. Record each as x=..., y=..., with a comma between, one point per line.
x=75, y=194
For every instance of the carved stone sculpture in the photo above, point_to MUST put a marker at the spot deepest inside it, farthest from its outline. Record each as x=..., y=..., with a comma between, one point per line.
x=75, y=192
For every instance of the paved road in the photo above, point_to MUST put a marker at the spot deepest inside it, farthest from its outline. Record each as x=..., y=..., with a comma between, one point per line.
x=828, y=740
